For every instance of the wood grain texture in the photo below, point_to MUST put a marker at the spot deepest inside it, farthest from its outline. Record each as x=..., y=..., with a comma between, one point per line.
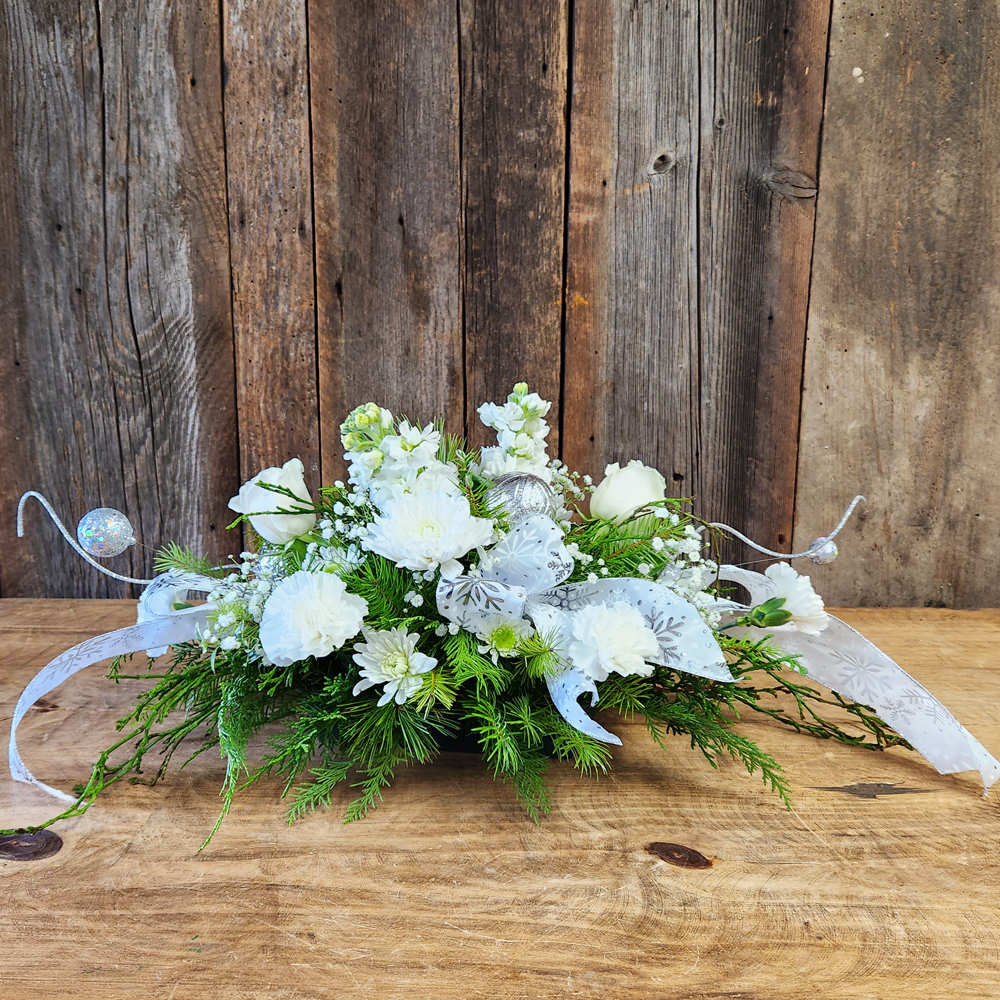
x=762, y=104
x=117, y=360
x=631, y=361
x=514, y=57
x=386, y=104
x=689, y=242
x=901, y=369
x=271, y=230
x=448, y=891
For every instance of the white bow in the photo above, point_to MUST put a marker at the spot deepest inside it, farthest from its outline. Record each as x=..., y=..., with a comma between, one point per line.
x=521, y=577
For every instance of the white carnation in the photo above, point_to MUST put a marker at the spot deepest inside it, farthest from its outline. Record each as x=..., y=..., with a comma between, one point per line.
x=801, y=601
x=390, y=657
x=424, y=531
x=309, y=614
x=612, y=638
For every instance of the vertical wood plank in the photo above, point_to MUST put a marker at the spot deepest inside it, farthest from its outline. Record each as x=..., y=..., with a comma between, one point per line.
x=514, y=63
x=901, y=392
x=689, y=243
x=631, y=364
x=271, y=232
x=385, y=101
x=117, y=368
x=762, y=96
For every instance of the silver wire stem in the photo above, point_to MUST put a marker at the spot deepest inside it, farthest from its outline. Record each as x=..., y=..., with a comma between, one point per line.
x=791, y=555
x=80, y=551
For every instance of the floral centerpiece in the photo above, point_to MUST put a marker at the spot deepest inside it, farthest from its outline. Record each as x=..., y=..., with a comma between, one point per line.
x=447, y=597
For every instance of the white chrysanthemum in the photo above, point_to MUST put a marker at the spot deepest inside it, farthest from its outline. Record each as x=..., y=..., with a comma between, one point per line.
x=501, y=634
x=424, y=531
x=801, y=601
x=391, y=658
x=612, y=638
x=309, y=614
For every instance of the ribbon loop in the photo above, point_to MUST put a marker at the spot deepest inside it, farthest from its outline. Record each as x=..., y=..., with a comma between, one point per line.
x=159, y=626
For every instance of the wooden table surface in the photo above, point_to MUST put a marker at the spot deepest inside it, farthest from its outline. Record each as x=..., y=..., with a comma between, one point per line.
x=448, y=891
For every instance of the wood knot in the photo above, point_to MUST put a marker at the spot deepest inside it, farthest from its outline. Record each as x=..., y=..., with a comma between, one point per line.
x=791, y=184
x=662, y=163
x=677, y=854
x=29, y=846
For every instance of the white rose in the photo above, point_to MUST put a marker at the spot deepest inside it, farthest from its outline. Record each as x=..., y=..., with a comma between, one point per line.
x=309, y=614
x=253, y=500
x=623, y=491
x=612, y=638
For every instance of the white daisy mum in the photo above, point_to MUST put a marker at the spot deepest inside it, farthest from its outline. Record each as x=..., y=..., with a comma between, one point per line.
x=309, y=614
x=424, y=531
x=501, y=634
x=801, y=601
x=390, y=657
x=612, y=638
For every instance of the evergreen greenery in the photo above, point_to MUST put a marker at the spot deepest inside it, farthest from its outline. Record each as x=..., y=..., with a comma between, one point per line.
x=319, y=735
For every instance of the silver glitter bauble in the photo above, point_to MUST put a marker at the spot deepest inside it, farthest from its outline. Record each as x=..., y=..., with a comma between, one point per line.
x=105, y=532
x=823, y=550
x=522, y=495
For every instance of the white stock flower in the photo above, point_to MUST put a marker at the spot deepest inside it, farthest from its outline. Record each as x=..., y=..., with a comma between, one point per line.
x=424, y=531
x=309, y=614
x=390, y=657
x=414, y=446
x=521, y=432
x=611, y=638
x=801, y=601
x=393, y=481
x=623, y=491
x=253, y=500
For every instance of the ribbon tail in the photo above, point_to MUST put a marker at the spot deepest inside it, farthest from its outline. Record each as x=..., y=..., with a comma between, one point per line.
x=160, y=632
x=847, y=663
x=564, y=691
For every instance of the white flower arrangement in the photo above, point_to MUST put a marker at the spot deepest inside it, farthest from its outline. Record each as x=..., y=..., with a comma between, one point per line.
x=449, y=594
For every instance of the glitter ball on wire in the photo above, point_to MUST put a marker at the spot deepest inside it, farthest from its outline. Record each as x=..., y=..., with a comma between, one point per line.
x=522, y=495
x=105, y=532
x=823, y=550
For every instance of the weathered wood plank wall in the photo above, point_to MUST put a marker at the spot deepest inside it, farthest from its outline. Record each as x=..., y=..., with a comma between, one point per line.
x=230, y=223
x=902, y=381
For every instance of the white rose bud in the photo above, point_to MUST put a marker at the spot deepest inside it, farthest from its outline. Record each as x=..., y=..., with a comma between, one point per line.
x=623, y=491
x=254, y=499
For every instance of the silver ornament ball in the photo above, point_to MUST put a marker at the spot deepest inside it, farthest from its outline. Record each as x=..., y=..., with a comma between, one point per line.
x=823, y=550
x=522, y=495
x=105, y=532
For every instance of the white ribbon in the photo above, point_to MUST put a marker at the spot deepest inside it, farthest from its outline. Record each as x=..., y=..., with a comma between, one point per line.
x=844, y=661
x=159, y=626
x=521, y=577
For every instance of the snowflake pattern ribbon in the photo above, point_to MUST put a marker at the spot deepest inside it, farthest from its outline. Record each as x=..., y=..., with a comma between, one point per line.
x=844, y=661
x=524, y=576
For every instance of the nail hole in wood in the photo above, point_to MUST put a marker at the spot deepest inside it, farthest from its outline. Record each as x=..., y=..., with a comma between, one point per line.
x=677, y=854
x=29, y=846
